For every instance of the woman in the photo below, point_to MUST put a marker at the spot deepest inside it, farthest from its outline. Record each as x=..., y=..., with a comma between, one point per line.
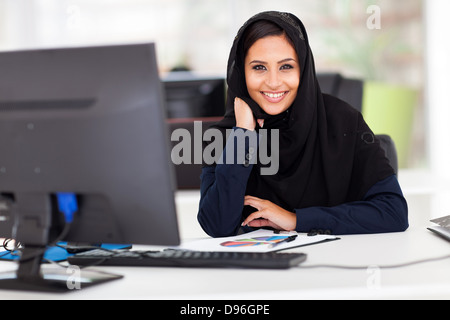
x=332, y=174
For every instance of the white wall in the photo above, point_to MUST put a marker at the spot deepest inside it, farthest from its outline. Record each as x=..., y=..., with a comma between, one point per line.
x=437, y=14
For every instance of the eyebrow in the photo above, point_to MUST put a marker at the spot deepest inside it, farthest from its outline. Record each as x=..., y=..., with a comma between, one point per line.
x=279, y=62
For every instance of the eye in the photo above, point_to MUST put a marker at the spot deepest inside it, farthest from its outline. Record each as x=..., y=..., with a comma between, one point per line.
x=286, y=67
x=259, y=67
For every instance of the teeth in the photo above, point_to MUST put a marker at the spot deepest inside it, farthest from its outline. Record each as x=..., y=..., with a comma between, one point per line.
x=274, y=95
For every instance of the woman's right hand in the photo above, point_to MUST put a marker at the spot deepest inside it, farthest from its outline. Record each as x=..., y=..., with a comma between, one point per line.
x=244, y=115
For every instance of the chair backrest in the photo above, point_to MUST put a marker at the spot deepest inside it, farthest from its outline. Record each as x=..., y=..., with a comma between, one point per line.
x=388, y=145
x=188, y=174
x=348, y=90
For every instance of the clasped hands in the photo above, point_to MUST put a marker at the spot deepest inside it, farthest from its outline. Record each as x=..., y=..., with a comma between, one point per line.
x=268, y=214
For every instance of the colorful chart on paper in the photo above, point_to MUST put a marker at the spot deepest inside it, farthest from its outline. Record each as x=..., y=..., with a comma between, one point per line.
x=250, y=242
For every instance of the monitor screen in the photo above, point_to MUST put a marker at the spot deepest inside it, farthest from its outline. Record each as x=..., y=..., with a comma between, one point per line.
x=89, y=122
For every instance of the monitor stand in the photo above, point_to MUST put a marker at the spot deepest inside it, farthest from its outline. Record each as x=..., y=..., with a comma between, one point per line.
x=31, y=275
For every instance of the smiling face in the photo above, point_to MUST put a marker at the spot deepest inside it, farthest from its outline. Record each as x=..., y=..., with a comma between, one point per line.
x=272, y=73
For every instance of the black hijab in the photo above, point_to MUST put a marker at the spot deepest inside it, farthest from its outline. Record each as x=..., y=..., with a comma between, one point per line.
x=328, y=155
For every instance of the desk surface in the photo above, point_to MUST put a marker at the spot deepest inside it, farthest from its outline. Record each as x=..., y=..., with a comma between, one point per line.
x=429, y=280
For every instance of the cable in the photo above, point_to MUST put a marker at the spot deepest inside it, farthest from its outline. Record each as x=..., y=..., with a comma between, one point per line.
x=67, y=205
x=8, y=251
x=6, y=242
x=42, y=251
x=401, y=265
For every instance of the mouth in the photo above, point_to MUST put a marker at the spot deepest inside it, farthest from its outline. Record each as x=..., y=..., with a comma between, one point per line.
x=274, y=97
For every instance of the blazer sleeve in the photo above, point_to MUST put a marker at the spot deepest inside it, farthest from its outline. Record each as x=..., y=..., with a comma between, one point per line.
x=223, y=187
x=383, y=209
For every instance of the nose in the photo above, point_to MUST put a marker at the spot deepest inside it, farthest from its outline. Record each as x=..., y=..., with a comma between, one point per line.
x=273, y=80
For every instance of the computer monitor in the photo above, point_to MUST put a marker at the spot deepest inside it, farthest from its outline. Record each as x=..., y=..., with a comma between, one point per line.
x=192, y=96
x=84, y=130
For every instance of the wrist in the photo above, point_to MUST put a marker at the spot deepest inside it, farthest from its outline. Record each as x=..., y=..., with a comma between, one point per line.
x=246, y=126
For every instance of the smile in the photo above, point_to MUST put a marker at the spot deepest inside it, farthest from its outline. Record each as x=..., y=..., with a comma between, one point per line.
x=275, y=96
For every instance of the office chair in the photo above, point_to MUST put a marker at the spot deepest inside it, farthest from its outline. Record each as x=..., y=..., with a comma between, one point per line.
x=349, y=90
x=188, y=175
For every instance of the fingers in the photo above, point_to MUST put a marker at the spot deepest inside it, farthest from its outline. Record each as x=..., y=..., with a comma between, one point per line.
x=262, y=213
x=269, y=214
x=261, y=223
x=257, y=220
x=252, y=217
x=260, y=122
x=244, y=115
x=255, y=202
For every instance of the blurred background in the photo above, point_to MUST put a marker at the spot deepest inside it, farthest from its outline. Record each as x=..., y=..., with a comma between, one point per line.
x=396, y=47
x=380, y=42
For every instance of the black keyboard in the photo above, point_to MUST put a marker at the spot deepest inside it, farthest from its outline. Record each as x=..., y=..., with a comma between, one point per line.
x=179, y=258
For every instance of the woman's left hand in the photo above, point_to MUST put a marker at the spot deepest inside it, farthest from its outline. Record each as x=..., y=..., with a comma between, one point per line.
x=269, y=215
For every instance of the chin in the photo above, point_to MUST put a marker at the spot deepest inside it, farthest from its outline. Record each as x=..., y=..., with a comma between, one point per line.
x=273, y=111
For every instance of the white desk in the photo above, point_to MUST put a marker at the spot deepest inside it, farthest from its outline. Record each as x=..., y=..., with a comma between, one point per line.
x=424, y=281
